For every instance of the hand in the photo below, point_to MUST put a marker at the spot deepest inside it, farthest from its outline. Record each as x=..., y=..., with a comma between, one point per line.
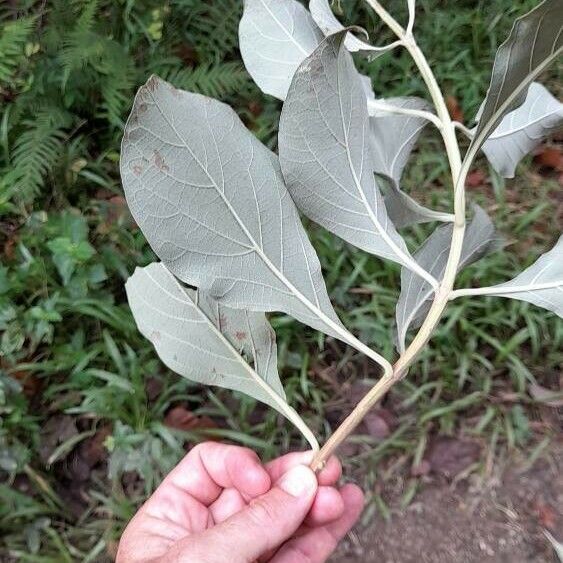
x=221, y=505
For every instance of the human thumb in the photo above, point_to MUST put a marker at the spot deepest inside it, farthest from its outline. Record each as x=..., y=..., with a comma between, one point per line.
x=263, y=525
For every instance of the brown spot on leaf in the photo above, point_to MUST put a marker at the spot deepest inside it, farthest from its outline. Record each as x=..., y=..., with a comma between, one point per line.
x=222, y=321
x=159, y=162
x=142, y=108
x=152, y=83
x=137, y=169
x=240, y=335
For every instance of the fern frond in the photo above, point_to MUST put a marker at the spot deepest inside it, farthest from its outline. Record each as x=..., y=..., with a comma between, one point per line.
x=211, y=27
x=82, y=46
x=37, y=149
x=13, y=37
x=117, y=82
x=215, y=80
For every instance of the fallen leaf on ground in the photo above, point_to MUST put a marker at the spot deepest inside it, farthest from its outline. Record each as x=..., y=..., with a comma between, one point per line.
x=376, y=426
x=476, y=178
x=180, y=418
x=57, y=429
x=92, y=450
x=547, y=515
x=550, y=157
x=450, y=456
x=422, y=468
x=454, y=109
x=30, y=382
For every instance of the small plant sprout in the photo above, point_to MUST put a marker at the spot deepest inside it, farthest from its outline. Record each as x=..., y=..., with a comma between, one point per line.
x=221, y=211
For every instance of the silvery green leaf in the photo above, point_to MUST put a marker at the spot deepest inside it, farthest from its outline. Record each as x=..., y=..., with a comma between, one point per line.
x=329, y=24
x=275, y=36
x=523, y=129
x=540, y=284
x=392, y=137
x=325, y=153
x=535, y=41
x=416, y=294
x=211, y=201
x=368, y=88
x=202, y=340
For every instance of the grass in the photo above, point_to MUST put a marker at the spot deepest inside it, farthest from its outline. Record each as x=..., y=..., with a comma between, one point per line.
x=83, y=397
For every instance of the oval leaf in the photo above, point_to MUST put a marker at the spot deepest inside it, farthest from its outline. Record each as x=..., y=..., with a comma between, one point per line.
x=201, y=339
x=210, y=199
x=535, y=41
x=325, y=154
x=275, y=36
x=523, y=129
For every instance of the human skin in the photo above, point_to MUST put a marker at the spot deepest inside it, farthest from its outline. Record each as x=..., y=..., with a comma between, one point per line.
x=221, y=504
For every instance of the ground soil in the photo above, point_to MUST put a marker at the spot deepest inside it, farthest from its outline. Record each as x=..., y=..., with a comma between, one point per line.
x=497, y=519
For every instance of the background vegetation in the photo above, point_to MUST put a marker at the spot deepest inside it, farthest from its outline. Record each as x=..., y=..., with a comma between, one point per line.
x=89, y=418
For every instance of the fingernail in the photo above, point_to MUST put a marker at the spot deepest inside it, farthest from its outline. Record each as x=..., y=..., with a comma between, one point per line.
x=298, y=481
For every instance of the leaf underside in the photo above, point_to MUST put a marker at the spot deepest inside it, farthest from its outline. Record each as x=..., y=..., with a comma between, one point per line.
x=392, y=138
x=540, y=284
x=207, y=342
x=523, y=129
x=325, y=153
x=275, y=36
x=192, y=332
x=416, y=294
x=535, y=41
x=211, y=201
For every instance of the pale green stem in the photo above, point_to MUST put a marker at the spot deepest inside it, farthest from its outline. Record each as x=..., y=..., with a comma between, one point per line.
x=442, y=293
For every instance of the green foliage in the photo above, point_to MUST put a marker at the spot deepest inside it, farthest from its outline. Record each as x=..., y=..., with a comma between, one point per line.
x=68, y=343
x=72, y=69
x=13, y=39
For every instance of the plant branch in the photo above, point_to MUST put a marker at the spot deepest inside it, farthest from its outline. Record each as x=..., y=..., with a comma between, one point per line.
x=410, y=24
x=380, y=105
x=464, y=129
x=352, y=421
x=443, y=292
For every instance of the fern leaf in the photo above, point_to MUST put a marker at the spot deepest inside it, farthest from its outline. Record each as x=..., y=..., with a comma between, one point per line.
x=215, y=80
x=37, y=149
x=211, y=27
x=13, y=37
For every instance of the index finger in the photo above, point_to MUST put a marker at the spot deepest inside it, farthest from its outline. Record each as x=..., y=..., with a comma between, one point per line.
x=211, y=467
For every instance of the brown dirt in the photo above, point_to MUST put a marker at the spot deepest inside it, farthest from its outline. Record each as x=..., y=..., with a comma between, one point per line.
x=498, y=519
